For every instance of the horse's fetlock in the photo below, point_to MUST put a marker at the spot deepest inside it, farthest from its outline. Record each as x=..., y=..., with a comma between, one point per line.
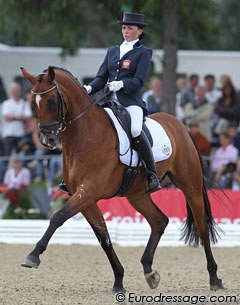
x=212, y=268
x=119, y=273
x=146, y=260
x=41, y=246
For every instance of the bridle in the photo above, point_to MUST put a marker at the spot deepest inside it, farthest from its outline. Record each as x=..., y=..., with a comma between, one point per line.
x=61, y=123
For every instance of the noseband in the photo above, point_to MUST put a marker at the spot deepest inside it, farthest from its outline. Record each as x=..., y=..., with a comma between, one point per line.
x=61, y=124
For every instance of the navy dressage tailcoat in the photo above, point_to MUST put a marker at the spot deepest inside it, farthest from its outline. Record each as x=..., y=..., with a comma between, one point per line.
x=132, y=69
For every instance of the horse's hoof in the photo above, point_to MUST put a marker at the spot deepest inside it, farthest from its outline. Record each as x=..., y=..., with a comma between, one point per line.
x=216, y=285
x=118, y=290
x=153, y=279
x=31, y=261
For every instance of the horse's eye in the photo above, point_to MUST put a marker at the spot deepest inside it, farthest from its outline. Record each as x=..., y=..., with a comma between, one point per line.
x=52, y=100
x=52, y=103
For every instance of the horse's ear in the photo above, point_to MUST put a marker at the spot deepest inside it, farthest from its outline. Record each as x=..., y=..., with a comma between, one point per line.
x=51, y=73
x=27, y=75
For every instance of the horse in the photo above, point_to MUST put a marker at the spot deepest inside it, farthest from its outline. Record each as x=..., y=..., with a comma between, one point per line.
x=92, y=171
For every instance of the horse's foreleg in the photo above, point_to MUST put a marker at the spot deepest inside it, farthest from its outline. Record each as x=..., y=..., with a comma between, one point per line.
x=71, y=208
x=158, y=221
x=97, y=222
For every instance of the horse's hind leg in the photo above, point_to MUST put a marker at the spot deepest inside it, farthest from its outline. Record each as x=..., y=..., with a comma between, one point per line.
x=97, y=222
x=205, y=228
x=158, y=221
x=200, y=222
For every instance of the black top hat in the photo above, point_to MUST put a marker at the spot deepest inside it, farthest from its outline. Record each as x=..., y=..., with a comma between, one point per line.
x=133, y=19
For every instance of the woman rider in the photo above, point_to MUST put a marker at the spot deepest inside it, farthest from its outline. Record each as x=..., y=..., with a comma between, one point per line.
x=124, y=70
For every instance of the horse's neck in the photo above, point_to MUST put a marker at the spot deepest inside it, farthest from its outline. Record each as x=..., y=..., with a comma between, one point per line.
x=87, y=132
x=86, y=138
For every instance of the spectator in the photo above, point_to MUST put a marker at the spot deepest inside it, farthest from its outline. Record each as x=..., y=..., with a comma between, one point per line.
x=234, y=134
x=223, y=155
x=181, y=86
x=212, y=93
x=17, y=176
x=224, y=78
x=15, y=112
x=189, y=93
x=202, y=143
x=55, y=166
x=146, y=94
x=200, y=110
x=153, y=98
x=2, y=163
x=28, y=99
x=236, y=180
x=227, y=179
x=227, y=108
x=40, y=150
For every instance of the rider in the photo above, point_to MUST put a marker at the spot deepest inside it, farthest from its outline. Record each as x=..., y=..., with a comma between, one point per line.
x=124, y=70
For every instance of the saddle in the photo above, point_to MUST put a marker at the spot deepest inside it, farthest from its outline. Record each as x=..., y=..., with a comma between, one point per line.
x=124, y=119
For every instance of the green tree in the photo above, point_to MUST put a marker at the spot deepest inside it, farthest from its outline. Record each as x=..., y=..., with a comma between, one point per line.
x=173, y=24
x=71, y=24
x=229, y=25
x=170, y=46
x=68, y=24
x=199, y=25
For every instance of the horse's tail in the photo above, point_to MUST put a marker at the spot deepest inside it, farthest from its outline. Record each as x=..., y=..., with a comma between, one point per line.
x=189, y=231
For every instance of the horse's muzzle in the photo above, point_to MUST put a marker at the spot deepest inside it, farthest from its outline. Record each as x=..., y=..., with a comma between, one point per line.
x=50, y=141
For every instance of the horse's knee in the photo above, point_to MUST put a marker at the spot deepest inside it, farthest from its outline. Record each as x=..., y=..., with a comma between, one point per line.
x=41, y=246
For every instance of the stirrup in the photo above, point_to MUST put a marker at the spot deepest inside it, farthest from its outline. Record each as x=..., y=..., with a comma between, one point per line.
x=153, y=182
x=62, y=187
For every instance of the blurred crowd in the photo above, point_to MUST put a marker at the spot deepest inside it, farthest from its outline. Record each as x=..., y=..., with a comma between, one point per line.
x=20, y=139
x=210, y=112
x=212, y=115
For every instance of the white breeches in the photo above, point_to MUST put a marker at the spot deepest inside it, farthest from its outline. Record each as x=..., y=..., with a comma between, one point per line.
x=136, y=114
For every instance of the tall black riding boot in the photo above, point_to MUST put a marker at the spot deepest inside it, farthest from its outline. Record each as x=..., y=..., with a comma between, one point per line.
x=145, y=151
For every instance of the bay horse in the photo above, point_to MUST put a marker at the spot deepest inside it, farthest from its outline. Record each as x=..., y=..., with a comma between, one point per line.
x=92, y=171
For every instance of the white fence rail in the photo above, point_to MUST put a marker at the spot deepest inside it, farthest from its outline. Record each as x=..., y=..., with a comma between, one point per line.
x=78, y=231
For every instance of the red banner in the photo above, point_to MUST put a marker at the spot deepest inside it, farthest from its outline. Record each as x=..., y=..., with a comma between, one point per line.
x=225, y=206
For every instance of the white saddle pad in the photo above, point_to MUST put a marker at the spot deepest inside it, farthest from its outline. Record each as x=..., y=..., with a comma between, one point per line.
x=162, y=148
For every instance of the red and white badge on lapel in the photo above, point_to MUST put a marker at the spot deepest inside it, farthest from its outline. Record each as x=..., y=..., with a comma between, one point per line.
x=126, y=64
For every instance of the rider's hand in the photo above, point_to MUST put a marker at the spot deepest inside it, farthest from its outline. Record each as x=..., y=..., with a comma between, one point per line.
x=115, y=85
x=88, y=88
